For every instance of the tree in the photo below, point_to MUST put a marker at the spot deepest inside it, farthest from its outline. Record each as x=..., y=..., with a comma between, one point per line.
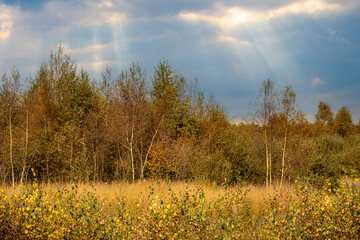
x=343, y=124
x=324, y=118
x=287, y=109
x=60, y=100
x=266, y=108
x=42, y=112
x=10, y=103
x=169, y=100
x=324, y=113
x=137, y=128
x=102, y=130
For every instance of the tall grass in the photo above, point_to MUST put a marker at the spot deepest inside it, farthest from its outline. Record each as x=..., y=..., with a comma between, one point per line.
x=179, y=210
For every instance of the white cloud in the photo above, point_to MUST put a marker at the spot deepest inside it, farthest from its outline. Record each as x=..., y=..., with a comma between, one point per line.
x=317, y=81
x=91, y=48
x=231, y=17
x=6, y=20
x=305, y=7
x=27, y=37
x=97, y=66
x=228, y=39
x=225, y=17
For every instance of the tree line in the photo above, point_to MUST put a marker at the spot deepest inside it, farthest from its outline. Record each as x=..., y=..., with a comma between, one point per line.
x=64, y=127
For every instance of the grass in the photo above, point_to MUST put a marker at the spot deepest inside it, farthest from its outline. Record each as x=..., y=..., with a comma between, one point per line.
x=138, y=193
x=179, y=210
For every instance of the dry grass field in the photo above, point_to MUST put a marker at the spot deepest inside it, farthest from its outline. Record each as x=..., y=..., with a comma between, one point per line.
x=179, y=210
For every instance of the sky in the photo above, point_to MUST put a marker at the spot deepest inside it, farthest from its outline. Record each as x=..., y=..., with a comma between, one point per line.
x=231, y=46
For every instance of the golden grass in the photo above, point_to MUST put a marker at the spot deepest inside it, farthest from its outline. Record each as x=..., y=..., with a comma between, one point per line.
x=154, y=209
x=138, y=193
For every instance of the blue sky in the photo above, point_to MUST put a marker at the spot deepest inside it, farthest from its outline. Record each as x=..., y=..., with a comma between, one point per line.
x=230, y=46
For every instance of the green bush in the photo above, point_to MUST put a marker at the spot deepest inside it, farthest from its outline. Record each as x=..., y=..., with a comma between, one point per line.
x=324, y=162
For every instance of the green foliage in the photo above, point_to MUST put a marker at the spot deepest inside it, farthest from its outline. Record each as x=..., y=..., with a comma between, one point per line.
x=169, y=98
x=324, y=164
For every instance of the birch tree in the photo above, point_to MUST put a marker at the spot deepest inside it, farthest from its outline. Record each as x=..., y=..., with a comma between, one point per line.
x=266, y=108
x=287, y=109
x=137, y=126
x=10, y=103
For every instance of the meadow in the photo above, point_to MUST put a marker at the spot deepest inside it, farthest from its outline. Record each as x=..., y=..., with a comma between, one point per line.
x=180, y=210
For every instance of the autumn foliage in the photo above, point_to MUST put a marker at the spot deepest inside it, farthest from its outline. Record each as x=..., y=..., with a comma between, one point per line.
x=65, y=127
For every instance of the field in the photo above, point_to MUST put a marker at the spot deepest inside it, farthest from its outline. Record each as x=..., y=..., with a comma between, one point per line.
x=179, y=210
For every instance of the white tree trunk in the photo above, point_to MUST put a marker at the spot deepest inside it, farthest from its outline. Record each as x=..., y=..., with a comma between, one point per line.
x=11, y=152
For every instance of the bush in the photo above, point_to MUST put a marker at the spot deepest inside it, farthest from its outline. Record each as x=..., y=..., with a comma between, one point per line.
x=349, y=159
x=324, y=163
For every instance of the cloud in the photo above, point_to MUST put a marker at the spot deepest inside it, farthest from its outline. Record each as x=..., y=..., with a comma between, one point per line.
x=310, y=7
x=230, y=17
x=230, y=45
x=224, y=17
x=106, y=4
x=6, y=20
x=31, y=34
x=243, y=24
x=83, y=13
x=228, y=39
x=91, y=48
x=317, y=81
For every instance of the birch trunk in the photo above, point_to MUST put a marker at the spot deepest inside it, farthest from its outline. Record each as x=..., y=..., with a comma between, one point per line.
x=132, y=153
x=283, y=159
x=26, y=148
x=11, y=153
x=267, y=159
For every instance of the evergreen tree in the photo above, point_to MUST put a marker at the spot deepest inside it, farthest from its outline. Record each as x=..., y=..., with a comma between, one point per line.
x=170, y=101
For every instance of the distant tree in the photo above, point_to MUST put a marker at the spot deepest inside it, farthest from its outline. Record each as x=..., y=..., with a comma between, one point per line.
x=266, y=108
x=287, y=109
x=324, y=113
x=216, y=125
x=343, y=124
x=324, y=119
